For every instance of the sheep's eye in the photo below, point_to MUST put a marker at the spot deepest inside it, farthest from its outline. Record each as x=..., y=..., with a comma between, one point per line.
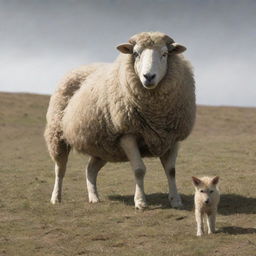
x=135, y=54
x=201, y=191
x=211, y=191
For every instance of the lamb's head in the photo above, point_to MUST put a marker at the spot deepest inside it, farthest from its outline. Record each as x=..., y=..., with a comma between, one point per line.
x=151, y=51
x=206, y=189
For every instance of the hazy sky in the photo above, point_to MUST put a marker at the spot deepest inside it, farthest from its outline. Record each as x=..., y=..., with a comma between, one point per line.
x=40, y=40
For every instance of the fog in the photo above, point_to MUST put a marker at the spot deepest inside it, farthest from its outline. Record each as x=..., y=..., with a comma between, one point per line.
x=42, y=40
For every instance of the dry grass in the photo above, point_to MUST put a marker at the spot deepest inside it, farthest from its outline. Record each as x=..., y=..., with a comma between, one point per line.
x=223, y=143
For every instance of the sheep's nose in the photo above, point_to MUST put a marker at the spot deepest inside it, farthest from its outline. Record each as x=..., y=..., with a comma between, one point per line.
x=206, y=201
x=149, y=77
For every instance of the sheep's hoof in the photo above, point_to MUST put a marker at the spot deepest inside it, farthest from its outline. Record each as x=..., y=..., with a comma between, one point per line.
x=93, y=199
x=176, y=202
x=55, y=200
x=199, y=234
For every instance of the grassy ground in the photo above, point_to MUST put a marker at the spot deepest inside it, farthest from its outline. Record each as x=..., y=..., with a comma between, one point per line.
x=223, y=143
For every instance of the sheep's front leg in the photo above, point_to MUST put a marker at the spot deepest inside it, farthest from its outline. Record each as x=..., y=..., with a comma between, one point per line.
x=168, y=161
x=130, y=147
x=93, y=167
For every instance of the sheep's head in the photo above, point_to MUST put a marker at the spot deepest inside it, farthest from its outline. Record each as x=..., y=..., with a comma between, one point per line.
x=150, y=52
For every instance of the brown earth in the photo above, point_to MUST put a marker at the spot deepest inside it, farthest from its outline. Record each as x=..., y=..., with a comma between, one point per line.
x=223, y=143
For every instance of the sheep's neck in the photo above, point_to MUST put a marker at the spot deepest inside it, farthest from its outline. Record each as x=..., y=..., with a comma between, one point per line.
x=159, y=101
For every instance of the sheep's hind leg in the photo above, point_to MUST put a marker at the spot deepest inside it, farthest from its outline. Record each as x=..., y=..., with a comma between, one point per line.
x=130, y=147
x=93, y=167
x=168, y=161
x=60, y=169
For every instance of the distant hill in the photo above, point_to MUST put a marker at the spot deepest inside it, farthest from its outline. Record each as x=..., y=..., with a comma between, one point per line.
x=24, y=108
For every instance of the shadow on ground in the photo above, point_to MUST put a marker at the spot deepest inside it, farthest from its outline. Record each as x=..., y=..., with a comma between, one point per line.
x=229, y=203
x=237, y=230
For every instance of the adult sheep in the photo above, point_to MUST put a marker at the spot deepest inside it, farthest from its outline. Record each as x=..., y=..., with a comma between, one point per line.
x=139, y=106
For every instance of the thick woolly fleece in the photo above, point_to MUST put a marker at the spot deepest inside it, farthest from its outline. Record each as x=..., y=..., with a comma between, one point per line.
x=97, y=104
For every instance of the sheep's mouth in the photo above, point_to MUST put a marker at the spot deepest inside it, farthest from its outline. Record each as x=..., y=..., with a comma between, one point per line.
x=149, y=86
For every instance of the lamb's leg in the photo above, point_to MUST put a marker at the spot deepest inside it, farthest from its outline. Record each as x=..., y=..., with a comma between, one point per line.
x=199, y=222
x=168, y=161
x=93, y=167
x=211, y=219
x=60, y=169
x=130, y=147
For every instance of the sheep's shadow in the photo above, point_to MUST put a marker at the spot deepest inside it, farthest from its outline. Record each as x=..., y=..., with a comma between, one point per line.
x=229, y=203
x=159, y=200
x=237, y=230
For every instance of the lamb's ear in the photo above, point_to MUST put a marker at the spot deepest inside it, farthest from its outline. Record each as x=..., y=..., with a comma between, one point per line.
x=196, y=181
x=215, y=180
x=125, y=48
x=176, y=48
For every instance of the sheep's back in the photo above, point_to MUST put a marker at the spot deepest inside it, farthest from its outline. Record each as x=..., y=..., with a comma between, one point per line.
x=87, y=121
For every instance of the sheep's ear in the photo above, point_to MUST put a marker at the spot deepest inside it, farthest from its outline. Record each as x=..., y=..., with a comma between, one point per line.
x=196, y=181
x=215, y=180
x=176, y=48
x=125, y=48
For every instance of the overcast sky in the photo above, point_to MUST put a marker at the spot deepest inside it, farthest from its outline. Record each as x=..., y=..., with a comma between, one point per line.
x=41, y=40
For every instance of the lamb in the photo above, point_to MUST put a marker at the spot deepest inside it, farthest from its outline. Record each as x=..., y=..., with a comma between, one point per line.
x=141, y=105
x=207, y=198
